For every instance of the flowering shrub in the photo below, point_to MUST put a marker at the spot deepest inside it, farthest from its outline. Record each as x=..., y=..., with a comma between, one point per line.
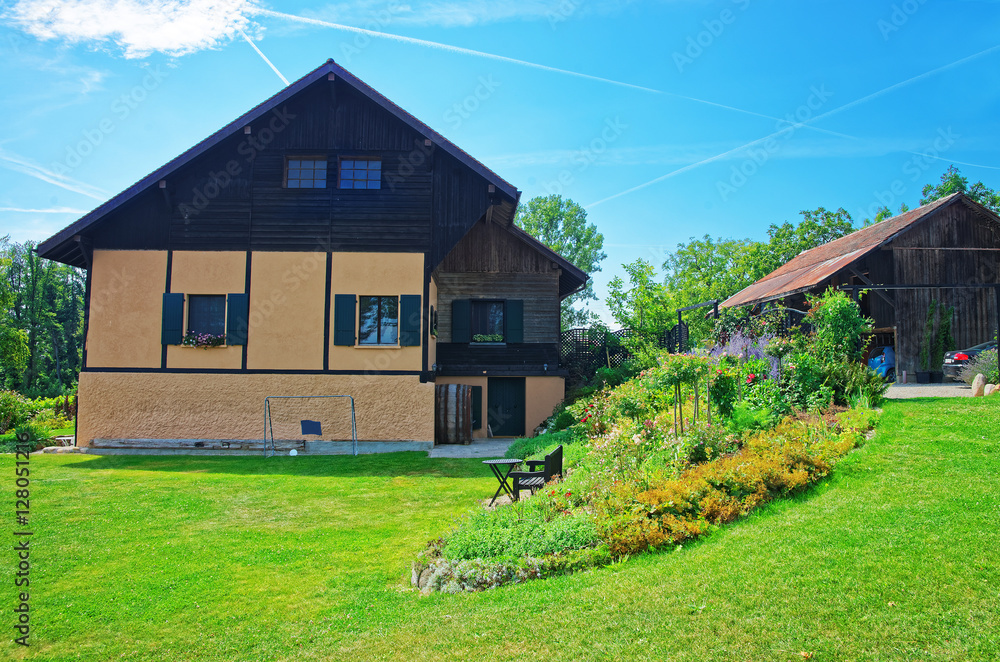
x=771, y=465
x=704, y=442
x=984, y=363
x=203, y=339
x=650, y=467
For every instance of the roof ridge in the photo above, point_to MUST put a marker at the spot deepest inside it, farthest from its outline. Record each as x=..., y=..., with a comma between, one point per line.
x=328, y=67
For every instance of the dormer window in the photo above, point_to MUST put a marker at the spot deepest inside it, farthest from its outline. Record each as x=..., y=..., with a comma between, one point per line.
x=305, y=172
x=360, y=173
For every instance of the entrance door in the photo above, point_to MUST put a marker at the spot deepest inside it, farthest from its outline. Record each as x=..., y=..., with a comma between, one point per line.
x=505, y=406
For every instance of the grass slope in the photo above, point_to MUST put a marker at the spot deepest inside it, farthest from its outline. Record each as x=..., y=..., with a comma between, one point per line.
x=897, y=557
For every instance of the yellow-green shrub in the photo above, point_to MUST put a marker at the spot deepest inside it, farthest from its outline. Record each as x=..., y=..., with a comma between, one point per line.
x=634, y=517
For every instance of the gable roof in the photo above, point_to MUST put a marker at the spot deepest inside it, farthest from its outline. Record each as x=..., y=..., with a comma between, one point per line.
x=810, y=268
x=52, y=245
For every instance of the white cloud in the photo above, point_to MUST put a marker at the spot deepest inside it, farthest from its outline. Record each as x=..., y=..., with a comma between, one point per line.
x=139, y=28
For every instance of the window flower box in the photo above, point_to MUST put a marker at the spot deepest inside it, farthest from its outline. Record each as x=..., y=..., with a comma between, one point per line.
x=203, y=340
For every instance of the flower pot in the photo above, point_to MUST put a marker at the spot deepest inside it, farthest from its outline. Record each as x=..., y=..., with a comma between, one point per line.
x=923, y=377
x=937, y=378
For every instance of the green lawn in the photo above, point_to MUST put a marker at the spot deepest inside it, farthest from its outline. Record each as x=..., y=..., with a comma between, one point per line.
x=897, y=557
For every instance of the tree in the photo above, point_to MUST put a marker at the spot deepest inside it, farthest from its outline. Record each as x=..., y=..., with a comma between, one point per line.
x=13, y=341
x=645, y=305
x=706, y=269
x=816, y=228
x=43, y=322
x=952, y=181
x=562, y=226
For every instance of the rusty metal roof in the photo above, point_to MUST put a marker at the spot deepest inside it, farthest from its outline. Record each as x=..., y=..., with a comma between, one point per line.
x=810, y=268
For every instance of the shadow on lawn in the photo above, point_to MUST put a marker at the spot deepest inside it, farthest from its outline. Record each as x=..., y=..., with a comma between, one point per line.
x=390, y=465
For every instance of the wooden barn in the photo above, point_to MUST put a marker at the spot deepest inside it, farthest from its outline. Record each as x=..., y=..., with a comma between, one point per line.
x=952, y=244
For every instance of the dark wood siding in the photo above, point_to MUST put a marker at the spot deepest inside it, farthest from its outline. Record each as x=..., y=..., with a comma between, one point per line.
x=540, y=293
x=233, y=197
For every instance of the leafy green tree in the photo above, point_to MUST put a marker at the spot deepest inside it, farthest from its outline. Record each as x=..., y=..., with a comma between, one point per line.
x=562, y=226
x=13, y=341
x=46, y=312
x=706, y=269
x=952, y=181
x=644, y=304
x=816, y=228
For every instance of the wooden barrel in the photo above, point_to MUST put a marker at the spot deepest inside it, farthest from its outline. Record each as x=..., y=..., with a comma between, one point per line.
x=453, y=414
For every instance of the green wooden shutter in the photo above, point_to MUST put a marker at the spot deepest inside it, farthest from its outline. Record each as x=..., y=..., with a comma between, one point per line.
x=172, y=332
x=343, y=319
x=515, y=320
x=477, y=407
x=461, y=321
x=409, y=320
x=237, y=318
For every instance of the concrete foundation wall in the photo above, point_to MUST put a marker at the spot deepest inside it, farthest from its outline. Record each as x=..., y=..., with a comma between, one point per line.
x=231, y=406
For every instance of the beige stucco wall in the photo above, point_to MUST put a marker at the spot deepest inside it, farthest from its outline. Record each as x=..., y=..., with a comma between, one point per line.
x=541, y=395
x=204, y=272
x=287, y=311
x=201, y=272
x=231, y=406
x=126, y=309
x=376, y=274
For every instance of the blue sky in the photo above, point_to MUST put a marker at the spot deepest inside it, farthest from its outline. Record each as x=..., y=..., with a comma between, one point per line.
x=666, y=120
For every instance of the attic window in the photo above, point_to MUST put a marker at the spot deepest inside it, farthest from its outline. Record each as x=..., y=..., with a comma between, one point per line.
x=360, y=173
x=305, y=172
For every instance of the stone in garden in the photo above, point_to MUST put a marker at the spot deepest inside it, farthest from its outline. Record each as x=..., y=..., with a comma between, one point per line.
x=978, y=385
x=990, y=389
x=425, y=576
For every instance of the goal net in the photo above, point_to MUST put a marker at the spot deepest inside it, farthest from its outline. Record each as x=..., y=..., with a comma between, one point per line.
x=295, y=418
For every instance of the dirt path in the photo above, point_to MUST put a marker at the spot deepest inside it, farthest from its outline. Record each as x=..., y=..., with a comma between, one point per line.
x=946, y=390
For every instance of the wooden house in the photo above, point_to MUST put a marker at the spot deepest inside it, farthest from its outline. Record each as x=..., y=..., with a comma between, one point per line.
x=325, y=242
x=944, y=251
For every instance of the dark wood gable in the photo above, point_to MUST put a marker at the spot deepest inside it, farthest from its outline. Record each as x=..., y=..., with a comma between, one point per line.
x=229, y=192
x=489, y=247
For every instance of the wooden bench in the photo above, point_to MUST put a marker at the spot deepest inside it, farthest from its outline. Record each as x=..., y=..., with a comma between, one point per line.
x=534, y=479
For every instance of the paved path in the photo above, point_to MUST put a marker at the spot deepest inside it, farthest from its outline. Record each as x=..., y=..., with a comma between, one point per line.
x=484, y=448
x=946, y=390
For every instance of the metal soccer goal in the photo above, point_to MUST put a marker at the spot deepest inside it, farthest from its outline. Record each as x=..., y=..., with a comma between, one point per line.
x=308, y=417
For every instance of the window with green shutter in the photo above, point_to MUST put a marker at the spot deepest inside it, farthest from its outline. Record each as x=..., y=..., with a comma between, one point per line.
x=172, y=331
x=237, y=318
x=515, y=321
x=460, y=318
x=409, y=320
x=343, y=319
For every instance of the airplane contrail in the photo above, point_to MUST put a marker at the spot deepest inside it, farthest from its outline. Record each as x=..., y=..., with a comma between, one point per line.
x=264, y=57
x=798, y=125
x=20, y=164
x=444, y=47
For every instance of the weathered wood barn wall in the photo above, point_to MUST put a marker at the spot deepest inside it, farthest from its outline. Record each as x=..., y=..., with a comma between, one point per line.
x=948, y=242
x=955, y=245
